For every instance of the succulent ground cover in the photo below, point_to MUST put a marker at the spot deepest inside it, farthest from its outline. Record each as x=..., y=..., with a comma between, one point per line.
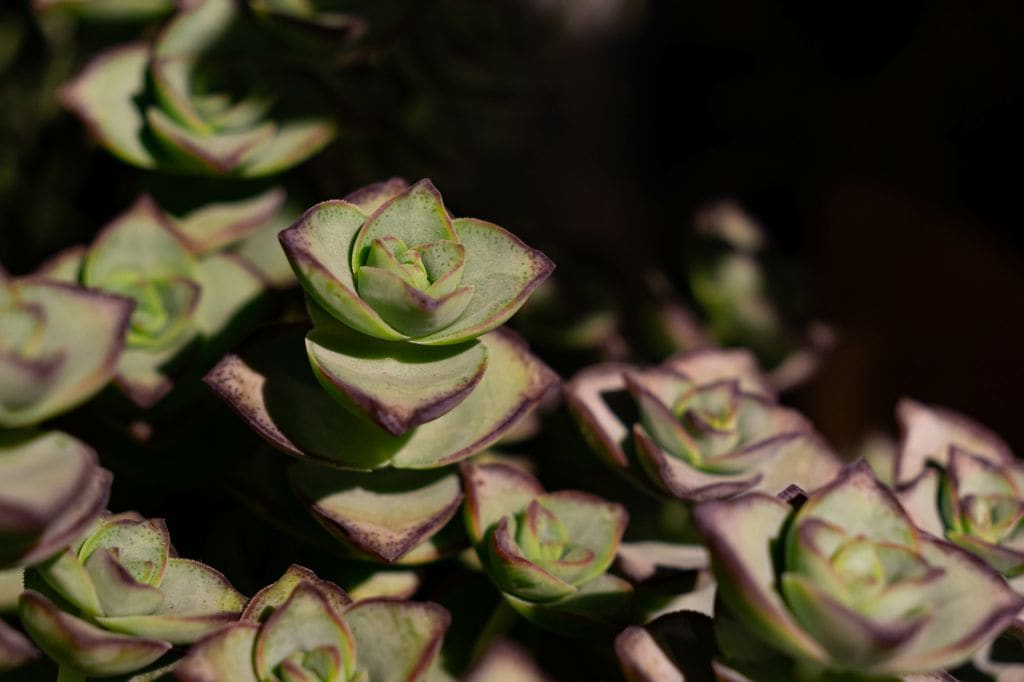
x=349, y=408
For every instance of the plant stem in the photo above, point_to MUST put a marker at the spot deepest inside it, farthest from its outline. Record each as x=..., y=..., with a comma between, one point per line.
x=66, y=674
x=501, y=621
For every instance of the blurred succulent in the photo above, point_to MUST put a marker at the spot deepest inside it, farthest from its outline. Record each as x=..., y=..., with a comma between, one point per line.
x=107, y=10
x=189, y=279
x=706, y=426
x=378, y=397
x=59, y=345
x=305, y=628
x=202, y=98
x=119, y=599
x=51, y=489
x=973, y=498
x=547, y=552
x=846, y=583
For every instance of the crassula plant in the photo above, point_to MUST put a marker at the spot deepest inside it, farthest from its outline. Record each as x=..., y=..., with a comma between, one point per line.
x=962, y=483
x=119, y=599
x=704, y=425
x=845, y=583
x=404, y=366
x=59, y=345
x=189, y=277
x=548, y=553
x=304, y=628
x=197, y=98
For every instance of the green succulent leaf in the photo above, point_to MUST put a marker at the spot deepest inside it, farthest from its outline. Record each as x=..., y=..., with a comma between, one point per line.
x=107, y=10
x=385, y=513
x=51, y=487
x=593, y=610
x=215, y=226
x=399, y=386
x=224, y=655
x=397, y=641
x=268, y=378
x=81, y=646
x=272, y=596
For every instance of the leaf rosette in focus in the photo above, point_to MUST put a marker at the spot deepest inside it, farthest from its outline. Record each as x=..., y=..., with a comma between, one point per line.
x=703, y=425
x=119, y=598
x=846, y=583
x=305, y=628
x=547, y=552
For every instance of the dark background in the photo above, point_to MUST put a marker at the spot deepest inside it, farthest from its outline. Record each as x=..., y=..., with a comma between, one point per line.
x=878, y=142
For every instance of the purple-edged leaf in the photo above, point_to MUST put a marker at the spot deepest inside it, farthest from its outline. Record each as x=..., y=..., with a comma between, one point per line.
x=141, y=546
x=270, y=597
x=397, y=385
x=267, y=379
x=710, y=365
x=50, y=488
x=1006, y=560
x=371, y=197
x=103, y=95
x=739, y=534
x=595, y=609
x=642, y=659
x=84, y=329
x=195, y=28
x=86, y=648
x=385, y=513
x=929, y=431
x=494, y=491
x=15, y=650
x=503, y=272
x=388, y=583
x=397, y=641
x=318, y=246
x=66, y=574
x=294, y=142
x=214, y=226
x=304, y=622
x=196, y=601
x=220, y=152
x=970, y=603
x=584, y=395
x=224, y=655
x=640, y=561
x=119, y=592
x=417, y=216
x=920, y=499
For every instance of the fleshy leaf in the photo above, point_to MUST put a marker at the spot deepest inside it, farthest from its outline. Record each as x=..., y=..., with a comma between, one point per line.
x=503, y=272
x=85, y=329
x=398, y=385
x=371, y=197
x=304, y=622
x=294, y=142
x=120, y=594
x=595, y=609
x=224, y=655
x=397, y=641
x=270, y=597
x=384, y=513
x=710, y=365
x=214, y=226
x=406, y=308
x=494, y=491
x=267, y=378
x=517, y=575
x=81, y=646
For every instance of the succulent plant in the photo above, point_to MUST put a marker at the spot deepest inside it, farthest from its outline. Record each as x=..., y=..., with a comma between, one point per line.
x=51, y=489
x=195, y=101
x=107, y=10
x=186, y=276
x=707, y=427
x=59, y=345
x=847, y=583
x=305, y=628
x=547, y=552
x=974, y=499
x=118, y=599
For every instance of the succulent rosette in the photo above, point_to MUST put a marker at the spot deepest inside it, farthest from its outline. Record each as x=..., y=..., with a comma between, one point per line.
x=305, y=628
x=972, y=497
x=408, y=368
x=59, y=344
x=547, y=552
x=706, y=426
x=189, y=278
x=118, y=599
x=197, y=100
x=847, y=583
